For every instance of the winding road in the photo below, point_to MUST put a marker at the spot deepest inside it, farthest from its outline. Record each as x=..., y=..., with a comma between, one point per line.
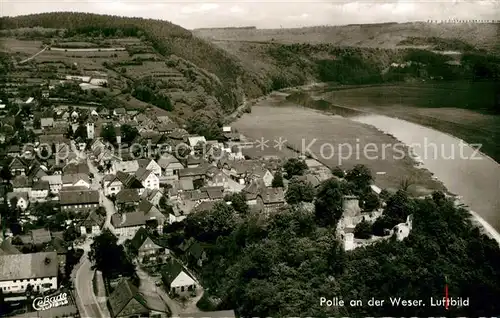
x=87, y=303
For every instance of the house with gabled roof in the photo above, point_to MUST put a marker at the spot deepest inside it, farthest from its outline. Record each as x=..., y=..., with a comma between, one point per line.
x=127, y=198
x=271, y=199
x=196, y=140
x=177, y=279
x=152, y=196
x=79, y=200
x=152, y=213
x=76, y=168
x=112, y=184
x=21, y=184
x=148, y=179
x=147, y=249
x=36, y=173
x=253, y=190
x=127, y=224
x=196, y=254
x=217, y=178
x=115, y=183
x=14, y=151
x=92, y=225
x=55, y=182
x=260, y=172
x=127, y=301
x=39, y=191
x=119, y=112
x=18, y=166
x=76, y=180
x=40, y=236
x=150, y=164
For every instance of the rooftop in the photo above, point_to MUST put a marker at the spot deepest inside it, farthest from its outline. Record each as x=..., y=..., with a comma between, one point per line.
x=25, y=266
x=78, y=197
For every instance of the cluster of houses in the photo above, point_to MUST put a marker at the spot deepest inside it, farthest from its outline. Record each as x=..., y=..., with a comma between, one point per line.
x=144, y=192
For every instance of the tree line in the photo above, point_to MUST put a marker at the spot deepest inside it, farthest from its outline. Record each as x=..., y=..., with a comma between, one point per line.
x=281, y=266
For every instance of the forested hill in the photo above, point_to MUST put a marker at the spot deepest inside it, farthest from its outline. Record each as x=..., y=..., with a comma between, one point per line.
x=167, y=38
x=217, y=76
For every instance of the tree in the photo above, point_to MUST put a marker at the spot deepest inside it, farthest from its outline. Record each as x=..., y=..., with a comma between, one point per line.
x=294, y=167
x=203, y=125
x=69, y=132
x=239, y=202
x=70, y=234
x=108, y=133
x=5, y=173
x=80, y=132
x=360, y=176
x=328, y=205
x=109, y=257
x=384, y=195
x=438, y=197
x=207, y=226
x=18, y=123
x=406, y=183
x=163, y=202
x=399, y=206
x=299, y=191
x=37, y=123
x=338, y=172
x=363, y=230
x=44, y=153
x=277, y=180
x=128, y=133
x=371, y=202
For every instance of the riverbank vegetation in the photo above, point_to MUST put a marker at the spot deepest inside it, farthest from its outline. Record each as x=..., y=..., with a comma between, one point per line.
x=282, y=265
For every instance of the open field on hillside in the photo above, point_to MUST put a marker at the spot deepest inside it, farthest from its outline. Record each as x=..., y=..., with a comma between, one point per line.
x=375, y=35
x=442, y=107
x=23, y=48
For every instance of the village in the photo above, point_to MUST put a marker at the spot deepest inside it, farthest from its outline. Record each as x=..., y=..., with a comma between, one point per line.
x=85, y=171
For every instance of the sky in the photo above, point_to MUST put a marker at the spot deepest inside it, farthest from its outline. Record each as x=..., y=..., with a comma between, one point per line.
x=268, y=14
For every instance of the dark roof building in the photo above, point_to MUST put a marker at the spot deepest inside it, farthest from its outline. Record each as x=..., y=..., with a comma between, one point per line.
x=79, y=197
x=126, y=196
x=126, y=301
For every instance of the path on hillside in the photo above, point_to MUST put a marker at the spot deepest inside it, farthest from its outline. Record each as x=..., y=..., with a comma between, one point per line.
x=103, y=49
x=33, y=56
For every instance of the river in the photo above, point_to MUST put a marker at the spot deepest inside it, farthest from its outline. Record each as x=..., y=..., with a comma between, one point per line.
x=463, y=171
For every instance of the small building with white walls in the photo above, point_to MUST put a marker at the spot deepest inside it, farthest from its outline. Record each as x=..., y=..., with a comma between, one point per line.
x=402, y=230
x=177, y=280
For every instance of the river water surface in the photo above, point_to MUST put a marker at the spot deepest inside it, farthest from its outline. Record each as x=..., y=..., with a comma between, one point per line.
x=473, y=176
